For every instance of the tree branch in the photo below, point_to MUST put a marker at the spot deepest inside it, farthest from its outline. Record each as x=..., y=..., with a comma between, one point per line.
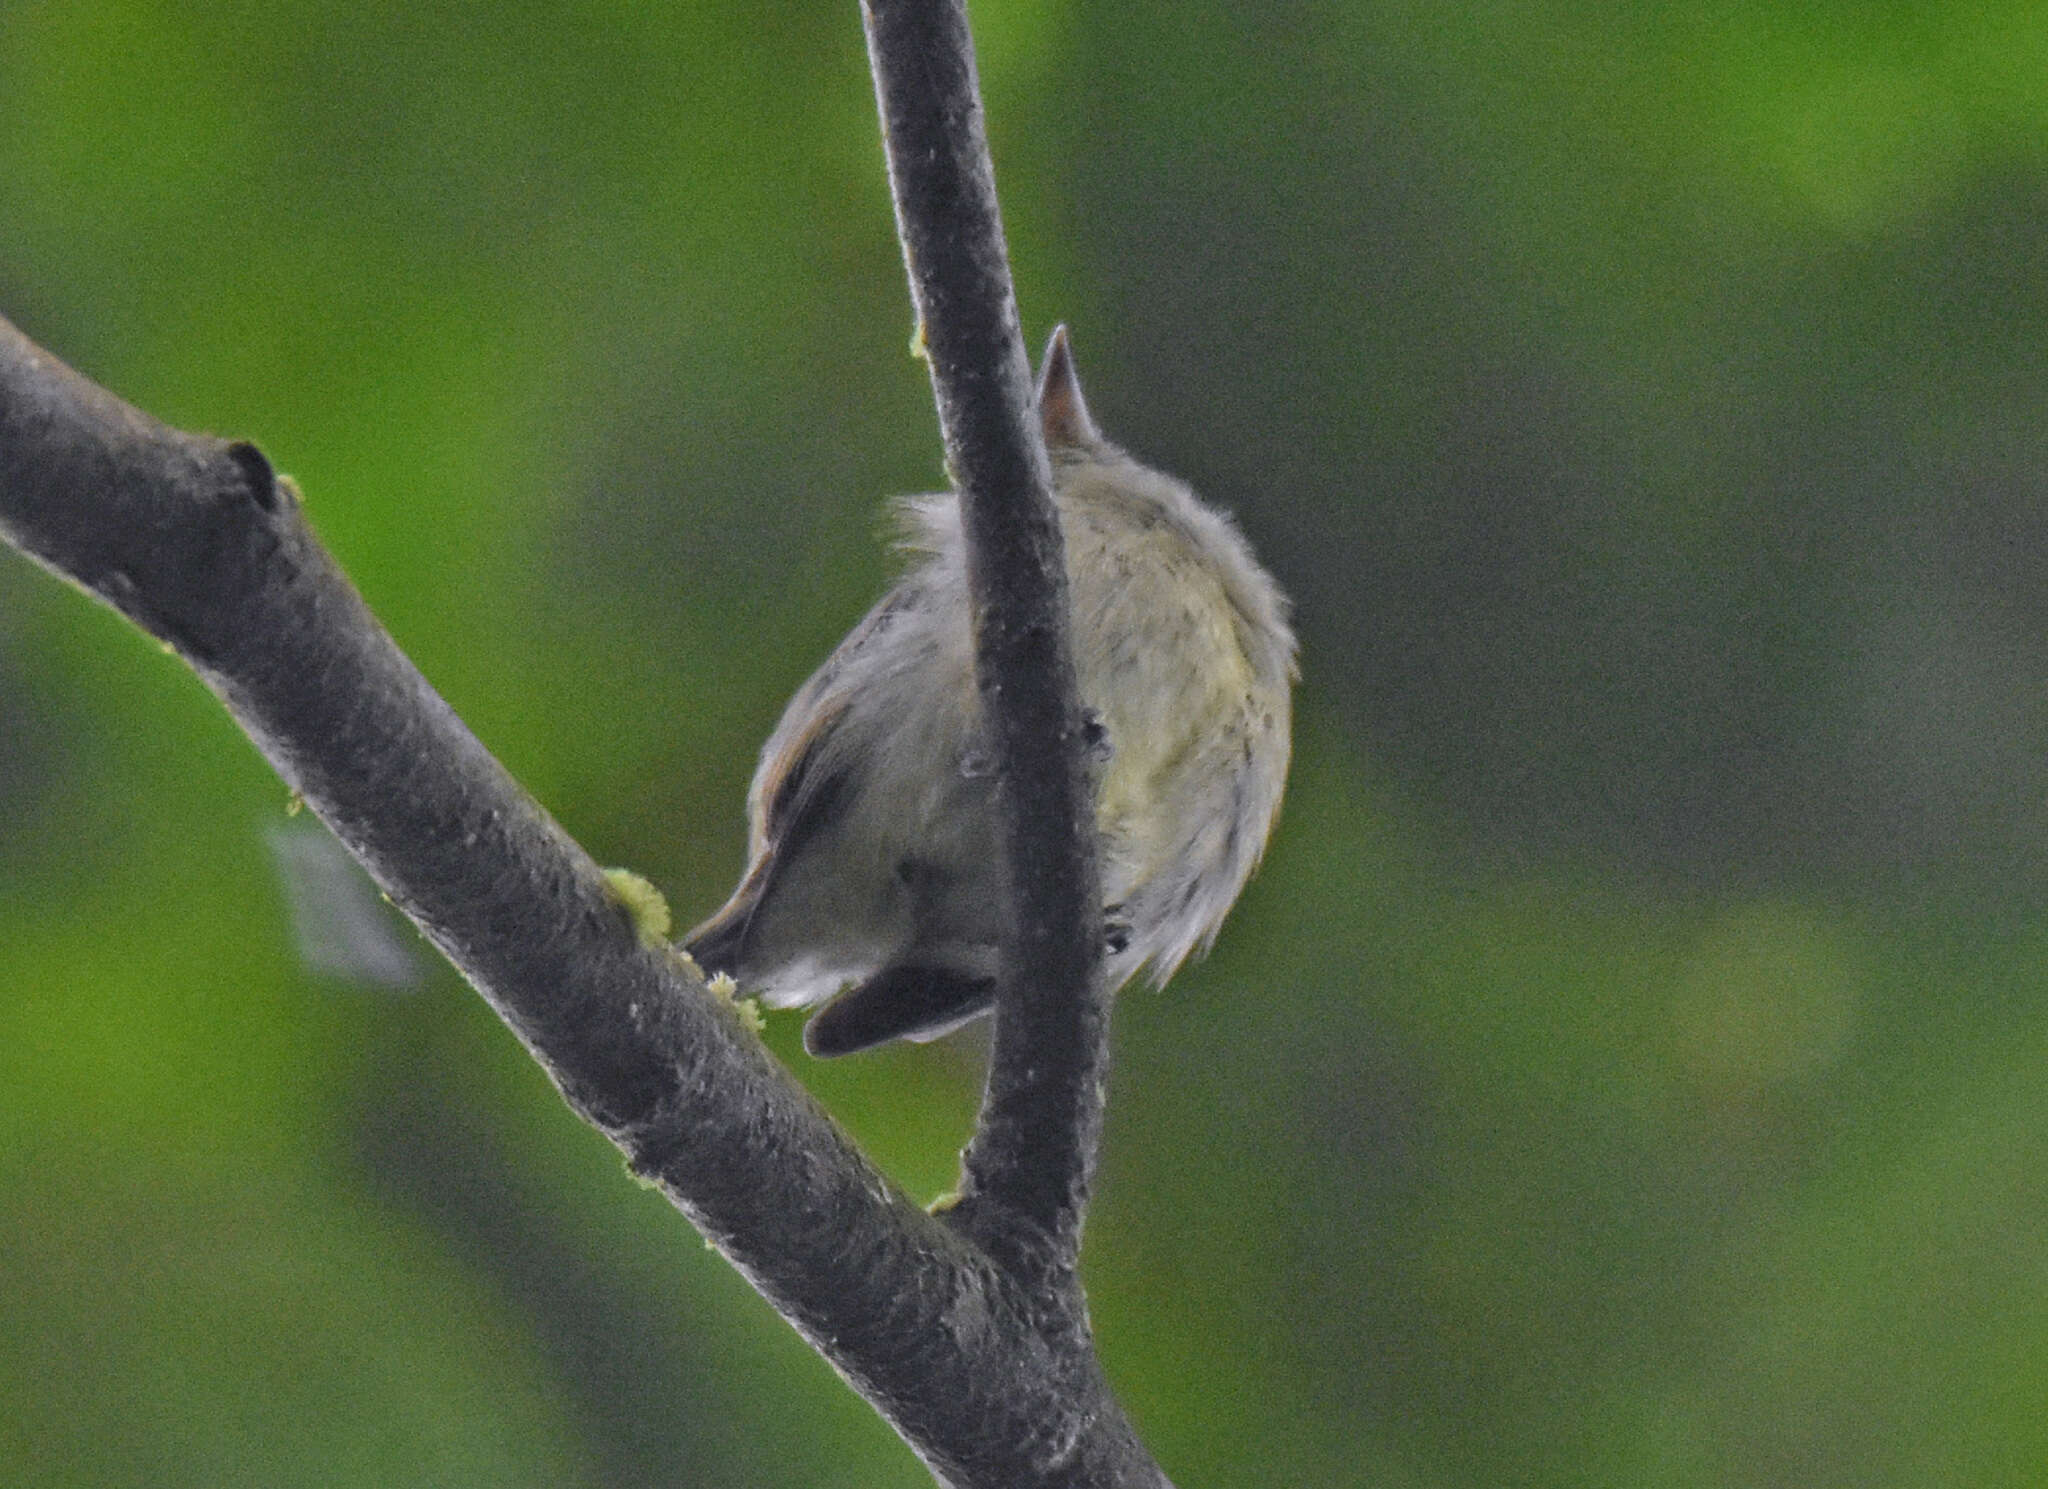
x=1027, y=1171
x=195, y=541
x=969, y=1335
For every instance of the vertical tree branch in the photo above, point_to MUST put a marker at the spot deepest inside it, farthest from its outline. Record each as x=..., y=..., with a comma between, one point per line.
x=1027, y=1170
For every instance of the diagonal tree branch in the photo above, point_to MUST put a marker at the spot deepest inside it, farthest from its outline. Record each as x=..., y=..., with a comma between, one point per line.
x=194, y=540
x=1027, y=1170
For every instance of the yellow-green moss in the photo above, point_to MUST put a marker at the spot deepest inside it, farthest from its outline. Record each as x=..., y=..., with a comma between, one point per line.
x=643, y=903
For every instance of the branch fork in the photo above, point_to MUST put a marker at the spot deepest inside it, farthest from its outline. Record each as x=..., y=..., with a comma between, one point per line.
x=967, y=1329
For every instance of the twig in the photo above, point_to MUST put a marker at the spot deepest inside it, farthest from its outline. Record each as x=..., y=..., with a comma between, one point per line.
x=1028, y=1168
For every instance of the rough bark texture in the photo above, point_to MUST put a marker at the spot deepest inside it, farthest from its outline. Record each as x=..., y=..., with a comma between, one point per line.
x=967, y=1332
x=195, y=541
x=1028, y=1168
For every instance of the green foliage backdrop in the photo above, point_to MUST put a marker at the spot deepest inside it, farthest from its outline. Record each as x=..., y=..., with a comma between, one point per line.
x=1629, y=1068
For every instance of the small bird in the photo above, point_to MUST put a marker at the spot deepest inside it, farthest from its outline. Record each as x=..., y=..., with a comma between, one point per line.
x=874, y=877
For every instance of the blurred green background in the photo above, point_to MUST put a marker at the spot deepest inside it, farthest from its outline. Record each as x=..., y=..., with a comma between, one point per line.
x=1629, y=1067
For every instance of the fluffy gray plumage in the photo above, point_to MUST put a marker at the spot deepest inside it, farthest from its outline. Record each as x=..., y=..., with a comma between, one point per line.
x=874, y=877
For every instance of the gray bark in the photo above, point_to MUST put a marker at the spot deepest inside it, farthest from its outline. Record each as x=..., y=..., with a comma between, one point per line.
x=967, y=1331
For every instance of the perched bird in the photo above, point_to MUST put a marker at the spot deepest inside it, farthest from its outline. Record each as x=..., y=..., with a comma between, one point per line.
x=874, y=877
